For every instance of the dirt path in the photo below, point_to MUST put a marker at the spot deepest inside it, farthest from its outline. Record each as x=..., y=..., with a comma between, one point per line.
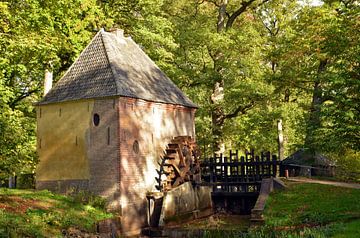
x=334, y=183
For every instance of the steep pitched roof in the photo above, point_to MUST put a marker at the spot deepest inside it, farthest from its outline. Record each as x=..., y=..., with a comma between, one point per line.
x=114, y=65
x=304, y=157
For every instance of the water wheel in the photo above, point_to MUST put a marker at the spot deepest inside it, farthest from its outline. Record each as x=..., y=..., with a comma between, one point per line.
x=179, y=164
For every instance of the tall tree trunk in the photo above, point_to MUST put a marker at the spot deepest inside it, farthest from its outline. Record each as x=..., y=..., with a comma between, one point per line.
x=314, y=120
x=217, y=96
x=225, y=21
x=217, y=116
x=280, y=140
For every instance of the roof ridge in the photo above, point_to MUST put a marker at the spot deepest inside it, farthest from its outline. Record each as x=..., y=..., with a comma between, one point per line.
x=113, y=72
x=72, y=65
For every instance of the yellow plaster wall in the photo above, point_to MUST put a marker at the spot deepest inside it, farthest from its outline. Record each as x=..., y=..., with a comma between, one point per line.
x=63, y=138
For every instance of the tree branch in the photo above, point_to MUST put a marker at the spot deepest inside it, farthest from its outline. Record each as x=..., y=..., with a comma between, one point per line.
x=240, y=110
x=237, y=13
x=13, y=103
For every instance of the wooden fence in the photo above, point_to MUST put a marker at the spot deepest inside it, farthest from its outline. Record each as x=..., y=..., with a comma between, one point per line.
x=238, y=174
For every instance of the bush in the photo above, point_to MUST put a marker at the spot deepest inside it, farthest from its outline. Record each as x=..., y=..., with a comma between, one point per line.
x=348, y=165
x=25, y=181
x=88, y=198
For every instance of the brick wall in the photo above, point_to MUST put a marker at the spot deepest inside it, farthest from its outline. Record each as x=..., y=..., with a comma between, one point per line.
x=103, y=152
x=151, y=126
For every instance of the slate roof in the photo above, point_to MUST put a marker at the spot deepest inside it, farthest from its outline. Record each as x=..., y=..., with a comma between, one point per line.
x=114, y=65
x=303, y=157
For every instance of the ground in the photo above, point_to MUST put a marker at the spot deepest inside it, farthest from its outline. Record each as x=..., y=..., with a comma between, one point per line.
x=26, y=213
x=319, y=180
x=302, y=210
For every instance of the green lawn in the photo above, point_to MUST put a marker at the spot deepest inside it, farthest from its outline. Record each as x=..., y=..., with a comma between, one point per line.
x=324, y=210
x=306, y=211
x=26, y=213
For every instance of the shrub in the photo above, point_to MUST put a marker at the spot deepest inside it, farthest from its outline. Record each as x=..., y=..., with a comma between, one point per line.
x=88, y=198
x=348, y=165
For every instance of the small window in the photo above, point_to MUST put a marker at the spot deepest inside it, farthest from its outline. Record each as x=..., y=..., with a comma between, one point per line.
x=96, y=119
x=136, y=148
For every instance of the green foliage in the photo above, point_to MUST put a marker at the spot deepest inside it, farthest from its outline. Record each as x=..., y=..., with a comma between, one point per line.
x=17, y=147
x=35, y=35
x=268, y=61
x=88, y=198
x=44, y=214
x=348, y=164
x=25, y=181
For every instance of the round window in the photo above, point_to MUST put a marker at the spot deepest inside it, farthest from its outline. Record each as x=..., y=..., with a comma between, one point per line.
x=136, y=148
x=96, y=119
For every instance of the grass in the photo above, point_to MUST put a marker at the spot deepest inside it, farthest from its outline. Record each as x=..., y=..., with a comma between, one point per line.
x=324, y=210
x=27, y=213
x=302, y=210
x=306, y=210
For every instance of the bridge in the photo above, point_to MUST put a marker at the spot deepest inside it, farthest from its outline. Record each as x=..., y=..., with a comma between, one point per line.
x=236, y=180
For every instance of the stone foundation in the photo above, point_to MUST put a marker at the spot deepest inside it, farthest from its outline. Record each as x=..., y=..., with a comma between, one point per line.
x=63, y=186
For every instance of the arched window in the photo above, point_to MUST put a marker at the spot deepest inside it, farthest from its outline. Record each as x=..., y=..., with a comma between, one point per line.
x=136, y=147
x=96, y=119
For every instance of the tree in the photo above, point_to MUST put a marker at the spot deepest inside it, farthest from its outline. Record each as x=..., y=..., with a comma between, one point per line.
x=219, y=58
x=35, y=35
x=313, y=58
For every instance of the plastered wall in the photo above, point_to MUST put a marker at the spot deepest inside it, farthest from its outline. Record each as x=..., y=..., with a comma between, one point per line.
x=75, y=153
x=62, y=139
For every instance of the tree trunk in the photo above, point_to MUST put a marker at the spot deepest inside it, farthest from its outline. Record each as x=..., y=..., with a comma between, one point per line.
x=217, y=96
x=224, y=22
x=12, y=181
x=314, y=121
x=217, y=116
x=280, y=140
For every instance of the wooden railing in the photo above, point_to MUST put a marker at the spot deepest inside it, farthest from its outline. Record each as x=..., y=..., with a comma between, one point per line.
x=238, y=174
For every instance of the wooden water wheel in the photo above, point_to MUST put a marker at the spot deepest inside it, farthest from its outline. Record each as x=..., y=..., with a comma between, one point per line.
x=179, y=164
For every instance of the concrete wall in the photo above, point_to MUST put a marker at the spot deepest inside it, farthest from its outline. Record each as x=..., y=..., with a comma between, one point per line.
x=185, y=202
x=152, y=125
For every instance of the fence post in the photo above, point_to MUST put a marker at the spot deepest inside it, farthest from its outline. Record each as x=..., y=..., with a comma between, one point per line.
x=274, y=159
x=227, y=187
x=211, y=168
x=257, y=166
